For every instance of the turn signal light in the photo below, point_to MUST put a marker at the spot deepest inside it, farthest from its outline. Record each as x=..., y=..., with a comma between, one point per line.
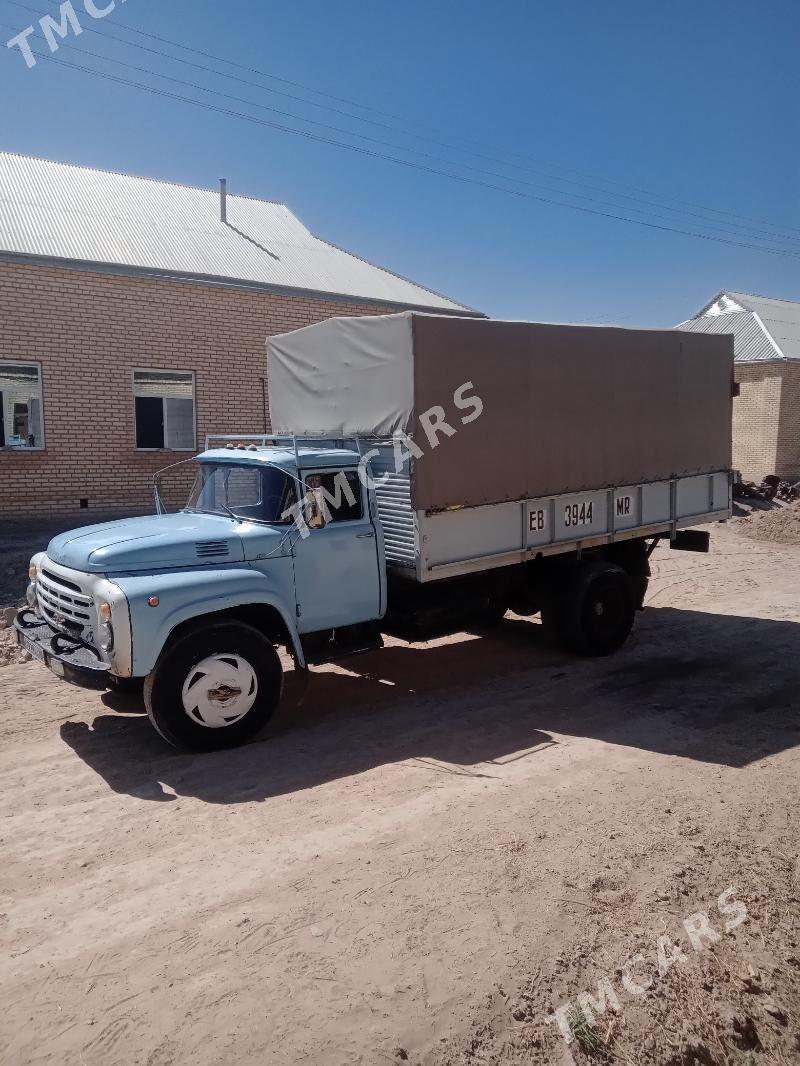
x=104, y=610
x=33, y=572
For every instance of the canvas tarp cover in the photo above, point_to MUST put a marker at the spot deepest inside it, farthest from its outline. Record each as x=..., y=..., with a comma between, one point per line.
x=565, y=408
x=343, y=376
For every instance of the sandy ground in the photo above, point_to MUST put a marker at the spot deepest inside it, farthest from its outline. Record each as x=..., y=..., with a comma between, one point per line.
x=435, y=847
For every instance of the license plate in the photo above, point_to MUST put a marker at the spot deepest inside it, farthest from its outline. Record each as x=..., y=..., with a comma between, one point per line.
x=31, y=647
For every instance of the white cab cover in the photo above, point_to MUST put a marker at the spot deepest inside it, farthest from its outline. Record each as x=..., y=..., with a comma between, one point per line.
x=343, y=376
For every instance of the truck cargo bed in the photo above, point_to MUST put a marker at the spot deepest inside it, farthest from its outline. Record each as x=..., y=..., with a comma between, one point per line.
x=441, y=544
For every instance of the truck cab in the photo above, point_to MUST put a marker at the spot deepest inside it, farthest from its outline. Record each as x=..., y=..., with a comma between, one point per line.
x=276, y=546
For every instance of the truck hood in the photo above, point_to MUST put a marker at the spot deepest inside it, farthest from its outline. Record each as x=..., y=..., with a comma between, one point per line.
x=155, y=542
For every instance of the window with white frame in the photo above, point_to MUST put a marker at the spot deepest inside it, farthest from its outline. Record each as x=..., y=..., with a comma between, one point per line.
x=164, y=409
x=21, y=421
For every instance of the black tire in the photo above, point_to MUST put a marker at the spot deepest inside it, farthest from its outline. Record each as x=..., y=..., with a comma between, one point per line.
x=594, y=613
x=235, y=643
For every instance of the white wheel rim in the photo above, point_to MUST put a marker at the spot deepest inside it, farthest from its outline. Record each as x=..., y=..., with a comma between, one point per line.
x=220, y=691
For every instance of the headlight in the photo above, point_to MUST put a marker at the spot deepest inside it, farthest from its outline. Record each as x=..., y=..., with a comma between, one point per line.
x=105, y=636
x=30, y=595
x=34, y=570
x=105, y=632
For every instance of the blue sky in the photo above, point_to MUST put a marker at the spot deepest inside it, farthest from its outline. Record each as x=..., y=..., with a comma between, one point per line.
x=696, y=101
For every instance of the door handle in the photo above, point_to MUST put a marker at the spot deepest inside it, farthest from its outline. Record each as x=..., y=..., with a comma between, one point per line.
x=363, y=536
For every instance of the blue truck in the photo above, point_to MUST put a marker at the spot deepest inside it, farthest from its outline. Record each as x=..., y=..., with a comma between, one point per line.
x=384, y=510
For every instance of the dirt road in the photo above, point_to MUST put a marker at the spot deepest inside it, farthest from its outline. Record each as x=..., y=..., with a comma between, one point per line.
x=437, y=846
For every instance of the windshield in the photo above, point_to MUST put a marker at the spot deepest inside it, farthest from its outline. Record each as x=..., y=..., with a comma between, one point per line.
x=254, y=493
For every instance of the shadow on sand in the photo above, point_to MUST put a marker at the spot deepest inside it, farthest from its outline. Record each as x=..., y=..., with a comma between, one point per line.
x=714, y=688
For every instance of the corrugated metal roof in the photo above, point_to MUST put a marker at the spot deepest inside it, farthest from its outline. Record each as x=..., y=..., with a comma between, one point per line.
x=781, y=319
x=60, y=211
x=750, y=342
x=763, y=328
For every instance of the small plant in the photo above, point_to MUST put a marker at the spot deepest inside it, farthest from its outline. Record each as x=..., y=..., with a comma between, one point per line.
x=513, y=846
x=584, y=1031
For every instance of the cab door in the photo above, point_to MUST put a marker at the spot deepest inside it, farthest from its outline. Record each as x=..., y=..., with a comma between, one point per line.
x=337, y=565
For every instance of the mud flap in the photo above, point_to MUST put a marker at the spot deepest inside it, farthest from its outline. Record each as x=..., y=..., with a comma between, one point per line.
x=691, y=540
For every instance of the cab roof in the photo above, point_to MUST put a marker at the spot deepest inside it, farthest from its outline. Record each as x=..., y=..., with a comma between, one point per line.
x=309, y=458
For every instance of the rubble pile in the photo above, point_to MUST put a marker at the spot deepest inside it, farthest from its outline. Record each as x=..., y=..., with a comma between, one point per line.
x=780, y=525
x=771, y=488
x=10, y=654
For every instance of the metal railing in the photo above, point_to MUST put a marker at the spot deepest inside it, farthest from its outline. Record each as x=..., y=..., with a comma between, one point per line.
x=294, y=441
x=290, y=441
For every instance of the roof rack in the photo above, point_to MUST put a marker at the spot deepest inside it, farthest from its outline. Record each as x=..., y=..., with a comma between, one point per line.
x=356, y=442
x=293, y=441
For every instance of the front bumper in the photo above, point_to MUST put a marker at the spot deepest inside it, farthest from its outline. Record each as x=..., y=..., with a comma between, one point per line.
x=68, y=658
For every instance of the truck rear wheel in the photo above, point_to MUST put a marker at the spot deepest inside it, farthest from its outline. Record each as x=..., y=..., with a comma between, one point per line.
x=215, y=688
x=594, y=613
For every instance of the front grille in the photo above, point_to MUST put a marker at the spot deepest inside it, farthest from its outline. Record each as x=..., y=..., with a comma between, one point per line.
x=71, y=585
x=64, y=604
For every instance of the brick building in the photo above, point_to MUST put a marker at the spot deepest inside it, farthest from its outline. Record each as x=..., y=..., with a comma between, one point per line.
x=766, y=413
x=134, y=319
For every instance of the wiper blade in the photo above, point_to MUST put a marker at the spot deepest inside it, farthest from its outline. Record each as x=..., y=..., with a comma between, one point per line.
x=207, y=510
x=228, y=511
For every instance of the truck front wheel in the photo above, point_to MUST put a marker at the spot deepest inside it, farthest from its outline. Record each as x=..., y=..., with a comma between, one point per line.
x=594, y=613
x=216, y=687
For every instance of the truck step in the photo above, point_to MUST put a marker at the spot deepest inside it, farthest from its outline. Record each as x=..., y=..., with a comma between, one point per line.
x=332, y=644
